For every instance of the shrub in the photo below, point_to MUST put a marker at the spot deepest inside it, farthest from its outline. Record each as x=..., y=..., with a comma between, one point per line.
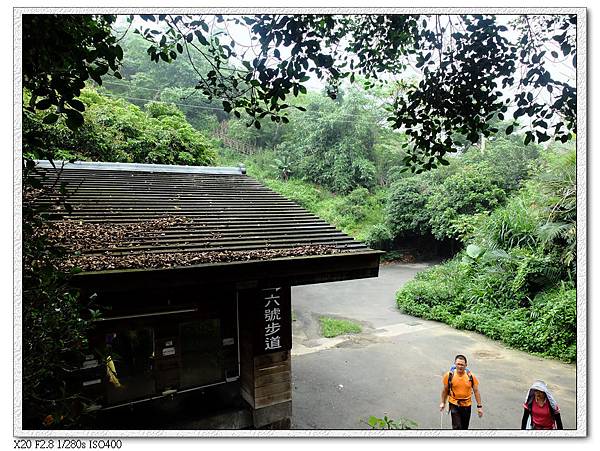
x=332, y=151
x=159, y=109
x=472, y=190
x=303, y=194
x=354, y=205
x=405, y=209
x=512, y=225
x=438, y=286
x=554, y=313
x=379, y=237
x=492, y=298
x=115, y=130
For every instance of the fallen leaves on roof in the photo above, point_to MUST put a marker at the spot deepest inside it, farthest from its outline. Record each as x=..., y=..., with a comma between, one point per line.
x=79, y=235
x=176, y=259
x=78, y=239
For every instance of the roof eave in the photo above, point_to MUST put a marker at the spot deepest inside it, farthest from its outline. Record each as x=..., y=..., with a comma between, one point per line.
x=278, y=271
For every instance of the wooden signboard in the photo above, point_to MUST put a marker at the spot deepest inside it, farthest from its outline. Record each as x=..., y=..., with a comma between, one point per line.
x=273, y=320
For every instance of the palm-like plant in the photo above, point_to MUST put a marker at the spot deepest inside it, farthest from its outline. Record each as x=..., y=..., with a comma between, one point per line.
x=283, y=167
x=560, y=227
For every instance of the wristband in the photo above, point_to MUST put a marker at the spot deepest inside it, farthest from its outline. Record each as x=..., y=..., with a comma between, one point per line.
x=479, y=406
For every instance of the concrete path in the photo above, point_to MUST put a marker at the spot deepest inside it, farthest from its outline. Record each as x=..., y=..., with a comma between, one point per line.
x=394, y=367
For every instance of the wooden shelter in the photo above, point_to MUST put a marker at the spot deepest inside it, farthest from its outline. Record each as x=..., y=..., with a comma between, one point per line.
x=191, y=268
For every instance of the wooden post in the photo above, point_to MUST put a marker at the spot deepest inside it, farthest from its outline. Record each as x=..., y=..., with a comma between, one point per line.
x=265, y=361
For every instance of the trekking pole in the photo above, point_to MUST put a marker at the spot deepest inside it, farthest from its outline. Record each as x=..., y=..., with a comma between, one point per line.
x=441, y=419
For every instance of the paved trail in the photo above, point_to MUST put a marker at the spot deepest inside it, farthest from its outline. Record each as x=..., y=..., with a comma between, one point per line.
x=395, y=366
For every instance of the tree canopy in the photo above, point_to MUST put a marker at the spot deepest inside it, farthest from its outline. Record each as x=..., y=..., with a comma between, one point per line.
x=464, y=72
x=61, y=52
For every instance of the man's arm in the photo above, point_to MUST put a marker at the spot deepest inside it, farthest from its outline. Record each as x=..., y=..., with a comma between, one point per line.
x=444, y=397
x=478, y=399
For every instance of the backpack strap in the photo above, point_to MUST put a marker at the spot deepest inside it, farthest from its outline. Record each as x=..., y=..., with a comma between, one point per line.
x=450, y=376
x=470, y=377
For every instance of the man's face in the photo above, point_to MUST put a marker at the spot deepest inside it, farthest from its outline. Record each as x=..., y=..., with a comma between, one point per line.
x=460, y=365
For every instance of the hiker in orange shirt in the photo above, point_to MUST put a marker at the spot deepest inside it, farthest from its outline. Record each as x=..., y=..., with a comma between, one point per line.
x=458, y=384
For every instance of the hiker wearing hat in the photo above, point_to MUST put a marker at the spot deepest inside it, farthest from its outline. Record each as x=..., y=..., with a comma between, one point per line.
x=458, y=385
x=540, y=410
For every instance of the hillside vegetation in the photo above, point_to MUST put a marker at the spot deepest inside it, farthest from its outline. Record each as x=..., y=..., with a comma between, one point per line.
x=507, y=208
x=515, y=280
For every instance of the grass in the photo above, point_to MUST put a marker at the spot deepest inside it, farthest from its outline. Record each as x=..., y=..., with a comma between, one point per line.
x=333, y=327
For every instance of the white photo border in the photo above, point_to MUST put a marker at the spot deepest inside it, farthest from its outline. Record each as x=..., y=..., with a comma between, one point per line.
x=582, y=312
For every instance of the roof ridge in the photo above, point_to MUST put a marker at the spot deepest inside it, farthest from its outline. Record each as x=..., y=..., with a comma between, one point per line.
x=140, y=167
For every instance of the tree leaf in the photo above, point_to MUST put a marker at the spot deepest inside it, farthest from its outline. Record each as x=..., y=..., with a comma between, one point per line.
x=50, y=118
x=77, y=104
x=474, y=251
x=43, y=104
x=74, y=119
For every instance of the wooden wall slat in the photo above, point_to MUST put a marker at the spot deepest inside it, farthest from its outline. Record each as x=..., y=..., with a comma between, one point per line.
x=274, y=389
x=266, y=379
x=262, y=361
x=272, y=399
x=272, y=369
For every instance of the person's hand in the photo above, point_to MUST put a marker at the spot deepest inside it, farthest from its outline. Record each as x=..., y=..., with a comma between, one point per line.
x=480, y=411
x=442, y=405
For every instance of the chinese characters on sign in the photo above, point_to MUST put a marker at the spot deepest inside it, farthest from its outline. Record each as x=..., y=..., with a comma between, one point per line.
x=272, y=318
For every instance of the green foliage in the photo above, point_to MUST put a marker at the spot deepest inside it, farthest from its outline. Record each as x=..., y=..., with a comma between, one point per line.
x=509, y=160
x=555, y=315
x=388, y=150
x=144, y=81
x=467, y=65
x=331, y=327
x=268, y=136
x=405, y=208
x=157, y=110
x=115, y=130
x=283, y=166
x=486, y=299
x=332, y=143
x=472, y=190
x=379, y=236
x=454, y=201
x=388, y=423
x=559, y=184
x=61, y=52
x=354, y=214
x=511, y=283
x=354, y=205
x=300, y=192
x=512, y=225
x=53, y=324
x=420, y=296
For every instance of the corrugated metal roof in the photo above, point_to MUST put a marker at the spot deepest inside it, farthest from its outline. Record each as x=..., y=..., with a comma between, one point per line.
x=124, y=218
